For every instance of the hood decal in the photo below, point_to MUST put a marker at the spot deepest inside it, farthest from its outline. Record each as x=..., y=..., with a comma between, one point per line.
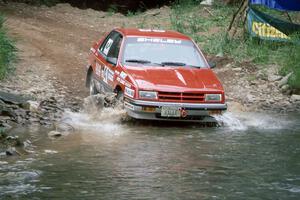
x=180, y=77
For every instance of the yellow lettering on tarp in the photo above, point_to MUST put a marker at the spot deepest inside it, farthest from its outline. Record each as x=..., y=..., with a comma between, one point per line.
x=266, y=30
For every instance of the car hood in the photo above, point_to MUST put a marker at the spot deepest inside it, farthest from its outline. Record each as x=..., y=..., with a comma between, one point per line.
x=174, y=78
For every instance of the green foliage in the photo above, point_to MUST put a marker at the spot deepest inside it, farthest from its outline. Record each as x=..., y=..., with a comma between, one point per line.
x=208, y=28
x=112, y=9
x=291, y=63
x=7, y=52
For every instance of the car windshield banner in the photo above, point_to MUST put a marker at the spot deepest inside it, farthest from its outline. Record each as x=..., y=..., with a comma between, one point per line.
x=269, y=28
x=284, y=5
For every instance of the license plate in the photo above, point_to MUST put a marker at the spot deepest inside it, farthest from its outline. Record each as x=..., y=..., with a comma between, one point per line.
x=170, y=112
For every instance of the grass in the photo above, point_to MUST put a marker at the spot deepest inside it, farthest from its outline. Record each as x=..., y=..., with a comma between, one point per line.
x=7, y=52
x=207, y=26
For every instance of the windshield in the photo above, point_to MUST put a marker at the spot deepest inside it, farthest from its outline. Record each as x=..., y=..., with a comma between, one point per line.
x=161, y=51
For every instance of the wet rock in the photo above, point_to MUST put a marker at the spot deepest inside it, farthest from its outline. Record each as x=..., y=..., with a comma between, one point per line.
x=11, y=151
x=295, y=97
x=54, y=134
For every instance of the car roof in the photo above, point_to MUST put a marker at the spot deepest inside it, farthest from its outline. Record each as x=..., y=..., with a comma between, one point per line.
x=152, y=33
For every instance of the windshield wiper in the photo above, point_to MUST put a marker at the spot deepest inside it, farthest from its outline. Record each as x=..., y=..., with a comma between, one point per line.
x=173, y=64
x=138, y=61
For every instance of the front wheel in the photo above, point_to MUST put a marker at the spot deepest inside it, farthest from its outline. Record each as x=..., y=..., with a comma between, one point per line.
x=92, y=85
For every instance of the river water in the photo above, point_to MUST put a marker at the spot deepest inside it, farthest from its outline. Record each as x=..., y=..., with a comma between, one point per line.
x=252, y=156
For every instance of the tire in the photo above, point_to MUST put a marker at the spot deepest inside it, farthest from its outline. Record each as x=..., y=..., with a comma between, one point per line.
x=120, y=96
x=92, y=85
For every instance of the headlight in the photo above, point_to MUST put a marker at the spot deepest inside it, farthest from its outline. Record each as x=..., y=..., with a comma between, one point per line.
x=213, y=97
x=129, y=92
x=147, y=95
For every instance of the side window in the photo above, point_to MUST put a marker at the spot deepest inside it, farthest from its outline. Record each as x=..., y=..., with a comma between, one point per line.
x=115, y=47
x=108, y=49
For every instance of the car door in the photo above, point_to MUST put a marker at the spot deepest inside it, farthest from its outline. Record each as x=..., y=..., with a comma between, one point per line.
x=108, y=53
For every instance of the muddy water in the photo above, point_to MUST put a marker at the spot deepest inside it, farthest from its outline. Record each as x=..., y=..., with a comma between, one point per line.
x=253, y=156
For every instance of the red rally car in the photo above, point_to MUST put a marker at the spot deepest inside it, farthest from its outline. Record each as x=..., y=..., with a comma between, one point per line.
x=160, y=75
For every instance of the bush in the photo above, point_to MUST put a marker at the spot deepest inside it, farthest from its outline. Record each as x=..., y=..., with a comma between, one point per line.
x=7, y=52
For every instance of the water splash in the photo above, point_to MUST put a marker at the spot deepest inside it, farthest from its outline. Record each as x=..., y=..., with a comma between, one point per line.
x=229, y=120
x=242, y=121
x=100, y=112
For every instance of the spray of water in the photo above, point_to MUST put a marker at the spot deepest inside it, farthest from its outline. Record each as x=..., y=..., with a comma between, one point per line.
x=100, y=112
x=104, y=112
x=244, y=120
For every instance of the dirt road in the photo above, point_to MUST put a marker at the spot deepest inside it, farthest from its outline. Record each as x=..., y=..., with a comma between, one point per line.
x=53, y=44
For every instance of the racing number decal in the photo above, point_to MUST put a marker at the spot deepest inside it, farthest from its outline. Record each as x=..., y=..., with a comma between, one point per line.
x=107, y=74
x=107, y=46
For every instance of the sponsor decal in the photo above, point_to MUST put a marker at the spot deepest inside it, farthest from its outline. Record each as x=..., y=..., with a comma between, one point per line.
x=110, y=75
x=159, y=40
x=123, y=75
x=129, y=106
x=122, y=82
x=108, y=46
x=98, y=69
x=107, y=74
x=150, y=30
x=127, y=84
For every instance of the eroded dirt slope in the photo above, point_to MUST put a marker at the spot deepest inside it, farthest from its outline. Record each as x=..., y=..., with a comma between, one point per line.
x=53, y=44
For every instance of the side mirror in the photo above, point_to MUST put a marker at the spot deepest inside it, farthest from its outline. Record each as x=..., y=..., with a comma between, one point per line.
x=112, y=60
x=212, y=64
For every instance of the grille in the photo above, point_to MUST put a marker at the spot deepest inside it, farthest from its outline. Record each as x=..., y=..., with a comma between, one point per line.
x=181, y=97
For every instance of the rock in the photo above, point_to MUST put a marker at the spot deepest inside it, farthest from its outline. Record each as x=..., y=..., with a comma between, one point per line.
x=54, y=134
x=11, y=151
x=8, y=112
x=220, y=54
x=273, y=78
x=237, y=69
x=33, y=106
x=12, y=98
x=284, y=80
x=250, y=98
x=284, y=88
x=261, y=75
x=295, y=97
x=207, y=2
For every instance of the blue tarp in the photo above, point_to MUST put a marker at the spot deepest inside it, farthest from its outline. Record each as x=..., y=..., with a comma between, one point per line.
x=284, y=5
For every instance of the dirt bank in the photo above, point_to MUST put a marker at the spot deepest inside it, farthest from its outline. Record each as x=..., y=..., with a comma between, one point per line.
x=53, y=44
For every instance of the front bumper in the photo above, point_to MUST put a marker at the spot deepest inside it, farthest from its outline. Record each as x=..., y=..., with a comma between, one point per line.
x=194, y=111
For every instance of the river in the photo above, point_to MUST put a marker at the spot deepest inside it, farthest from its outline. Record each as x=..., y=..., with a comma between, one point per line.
x=253, y=156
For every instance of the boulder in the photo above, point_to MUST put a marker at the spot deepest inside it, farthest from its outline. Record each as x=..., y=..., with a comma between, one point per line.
x=12, y=98
x=295, y=97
